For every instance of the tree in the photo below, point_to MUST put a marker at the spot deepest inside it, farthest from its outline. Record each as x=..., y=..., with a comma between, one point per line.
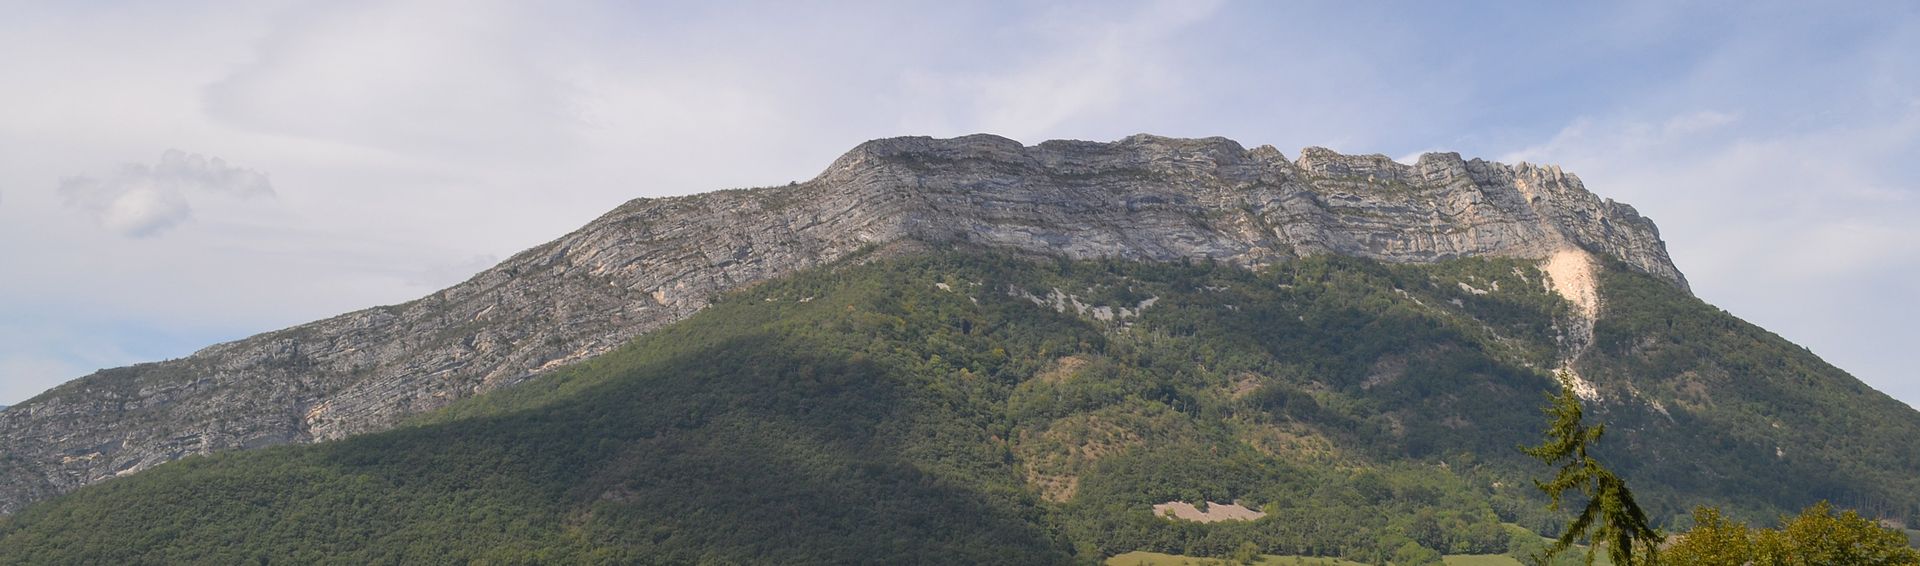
x=1523, y=545
x=1610, y=517
x=1413, y=554
x=1714, y=541
x=1816, y=536
x=1248, y=553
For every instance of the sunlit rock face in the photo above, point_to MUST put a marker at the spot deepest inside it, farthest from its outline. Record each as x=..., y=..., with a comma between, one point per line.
x=652, y=262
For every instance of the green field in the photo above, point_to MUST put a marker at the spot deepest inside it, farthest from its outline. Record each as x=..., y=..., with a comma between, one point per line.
x=1158, y=559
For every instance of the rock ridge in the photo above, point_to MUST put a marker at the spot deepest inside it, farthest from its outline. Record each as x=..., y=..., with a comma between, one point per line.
x=654, y=261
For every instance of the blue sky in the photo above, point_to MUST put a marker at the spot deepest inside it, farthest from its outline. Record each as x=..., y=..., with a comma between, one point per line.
x=176, y=174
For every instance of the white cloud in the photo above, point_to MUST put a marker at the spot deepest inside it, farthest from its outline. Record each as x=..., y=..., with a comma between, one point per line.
x=426, y=78
x=1697, y=123
x=1083, y=68
x=139, y=200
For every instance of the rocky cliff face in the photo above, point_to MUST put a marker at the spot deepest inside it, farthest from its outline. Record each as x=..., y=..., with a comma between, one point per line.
x=652, y=262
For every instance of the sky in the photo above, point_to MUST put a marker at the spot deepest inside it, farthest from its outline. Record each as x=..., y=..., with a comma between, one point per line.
x=178, y=174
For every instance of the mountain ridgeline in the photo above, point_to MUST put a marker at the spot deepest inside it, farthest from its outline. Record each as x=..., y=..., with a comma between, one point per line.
x=970, y=350
x=653, y=262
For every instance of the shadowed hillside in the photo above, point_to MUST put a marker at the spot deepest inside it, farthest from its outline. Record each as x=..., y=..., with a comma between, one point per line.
x=969, y=407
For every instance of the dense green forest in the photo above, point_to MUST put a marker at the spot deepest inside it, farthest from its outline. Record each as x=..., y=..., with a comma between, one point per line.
x=973, y=407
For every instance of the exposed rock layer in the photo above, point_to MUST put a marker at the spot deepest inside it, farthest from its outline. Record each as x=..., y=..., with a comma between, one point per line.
x=652, y=262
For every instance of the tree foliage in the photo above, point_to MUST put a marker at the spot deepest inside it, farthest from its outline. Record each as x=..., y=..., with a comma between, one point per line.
x=1817, y=536
x=1609, y=517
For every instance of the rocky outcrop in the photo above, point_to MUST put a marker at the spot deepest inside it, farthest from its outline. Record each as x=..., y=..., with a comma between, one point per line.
x=652, y=262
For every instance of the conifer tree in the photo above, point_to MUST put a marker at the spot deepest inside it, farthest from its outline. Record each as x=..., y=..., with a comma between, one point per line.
x=1610, y=517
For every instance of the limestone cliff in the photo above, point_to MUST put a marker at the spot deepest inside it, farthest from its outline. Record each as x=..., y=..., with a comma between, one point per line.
x=652, y=262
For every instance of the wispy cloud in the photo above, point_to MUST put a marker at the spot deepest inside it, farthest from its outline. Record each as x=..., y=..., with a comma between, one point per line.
x=139, y=200
x=427, y=78
x=1083, y=66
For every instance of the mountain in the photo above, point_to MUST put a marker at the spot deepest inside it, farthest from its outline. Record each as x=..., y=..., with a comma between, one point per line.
x=969, y=350
x=652, y=262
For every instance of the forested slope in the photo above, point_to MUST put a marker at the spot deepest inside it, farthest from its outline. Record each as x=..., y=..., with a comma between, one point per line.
x=975, y=407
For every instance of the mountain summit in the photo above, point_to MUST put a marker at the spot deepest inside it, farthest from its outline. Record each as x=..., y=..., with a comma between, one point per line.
x=1155, y=198
x=652, y=262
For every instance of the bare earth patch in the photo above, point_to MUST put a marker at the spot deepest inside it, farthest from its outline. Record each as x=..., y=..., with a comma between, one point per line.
x=1243, y=385
x=1055, y=459
x=1063, y=369
x=1571, y=274
x=1387, y=369
x=1215, y=512
x=1292, y=440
